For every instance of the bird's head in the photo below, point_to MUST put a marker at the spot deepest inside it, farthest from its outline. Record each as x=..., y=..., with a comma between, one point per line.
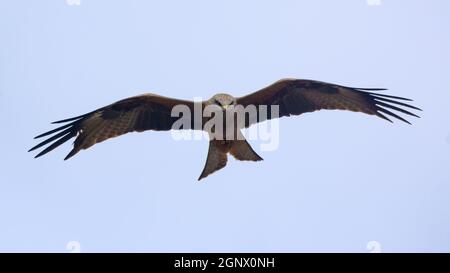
x=223, y=100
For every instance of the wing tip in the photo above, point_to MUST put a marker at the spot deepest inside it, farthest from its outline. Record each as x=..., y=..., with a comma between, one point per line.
x=40, y=154
x=72, y=153
x=390, y=114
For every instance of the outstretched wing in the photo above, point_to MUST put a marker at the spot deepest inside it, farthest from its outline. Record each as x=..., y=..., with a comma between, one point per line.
x=135, y=114
x=295, y=97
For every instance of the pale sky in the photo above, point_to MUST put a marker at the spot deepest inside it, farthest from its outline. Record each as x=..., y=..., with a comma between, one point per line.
x=337, y=181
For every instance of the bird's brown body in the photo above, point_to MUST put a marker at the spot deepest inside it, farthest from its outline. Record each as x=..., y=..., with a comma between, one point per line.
x=153, y=112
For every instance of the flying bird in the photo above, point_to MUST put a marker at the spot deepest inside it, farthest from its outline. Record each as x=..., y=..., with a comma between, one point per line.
x=153, y=112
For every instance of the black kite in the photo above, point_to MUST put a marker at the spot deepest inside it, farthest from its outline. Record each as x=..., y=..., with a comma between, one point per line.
x=153, y=112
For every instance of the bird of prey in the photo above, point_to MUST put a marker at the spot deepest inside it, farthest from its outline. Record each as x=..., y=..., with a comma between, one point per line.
x=153, y=112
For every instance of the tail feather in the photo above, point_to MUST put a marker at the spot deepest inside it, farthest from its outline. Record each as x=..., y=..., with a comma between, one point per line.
x=241, y=150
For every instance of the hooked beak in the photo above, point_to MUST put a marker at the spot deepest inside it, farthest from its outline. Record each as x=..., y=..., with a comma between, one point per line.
x=225, y=107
